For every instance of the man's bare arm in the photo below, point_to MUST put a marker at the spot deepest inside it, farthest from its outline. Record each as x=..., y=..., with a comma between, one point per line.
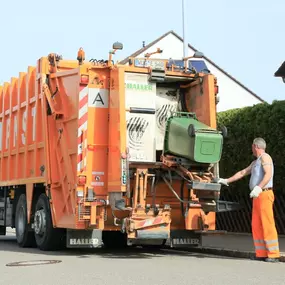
x=266, y=162
x=240, y=174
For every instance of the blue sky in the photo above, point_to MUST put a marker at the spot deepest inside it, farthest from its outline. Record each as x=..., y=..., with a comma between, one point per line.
x=246, y=38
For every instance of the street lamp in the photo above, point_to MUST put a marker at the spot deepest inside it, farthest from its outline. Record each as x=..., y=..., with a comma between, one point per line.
x=116, y=46
x=183, y=27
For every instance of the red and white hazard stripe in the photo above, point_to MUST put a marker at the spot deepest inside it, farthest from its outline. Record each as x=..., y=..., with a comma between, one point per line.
x=82, y=128
x=150, y=222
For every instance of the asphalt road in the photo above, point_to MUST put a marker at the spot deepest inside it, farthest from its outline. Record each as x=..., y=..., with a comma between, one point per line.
x=135, y=266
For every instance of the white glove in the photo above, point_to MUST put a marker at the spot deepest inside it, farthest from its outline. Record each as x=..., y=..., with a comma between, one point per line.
x=255, y=192
x=223, y=181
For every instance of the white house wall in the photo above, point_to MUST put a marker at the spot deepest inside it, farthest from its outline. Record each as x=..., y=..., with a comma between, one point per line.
x=231, y=94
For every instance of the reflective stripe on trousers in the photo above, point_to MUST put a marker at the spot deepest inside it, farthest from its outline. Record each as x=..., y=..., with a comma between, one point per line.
x=264, y=232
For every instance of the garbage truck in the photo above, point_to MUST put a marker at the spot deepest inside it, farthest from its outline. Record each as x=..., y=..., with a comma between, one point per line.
x=97, y=153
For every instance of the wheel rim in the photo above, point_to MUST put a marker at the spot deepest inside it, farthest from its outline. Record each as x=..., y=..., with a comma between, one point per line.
x=40, y=222
x=21, y=222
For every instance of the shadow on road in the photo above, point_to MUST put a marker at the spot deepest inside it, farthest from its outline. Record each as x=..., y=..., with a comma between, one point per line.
x=9, y=244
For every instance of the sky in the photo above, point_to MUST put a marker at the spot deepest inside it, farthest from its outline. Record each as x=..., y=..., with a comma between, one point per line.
x=245, y=37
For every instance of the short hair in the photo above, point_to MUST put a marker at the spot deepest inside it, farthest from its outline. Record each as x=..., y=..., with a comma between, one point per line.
x=260, y=143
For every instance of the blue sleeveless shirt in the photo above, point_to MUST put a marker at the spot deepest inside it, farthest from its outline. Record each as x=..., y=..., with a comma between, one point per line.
x=257, y=174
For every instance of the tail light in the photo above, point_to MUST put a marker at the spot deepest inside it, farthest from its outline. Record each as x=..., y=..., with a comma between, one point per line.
x=84, y=79
x=216, y=86
x=216, y=89
x=81, y=180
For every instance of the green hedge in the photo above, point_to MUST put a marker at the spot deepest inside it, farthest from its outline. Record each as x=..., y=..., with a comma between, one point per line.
x=244, y=124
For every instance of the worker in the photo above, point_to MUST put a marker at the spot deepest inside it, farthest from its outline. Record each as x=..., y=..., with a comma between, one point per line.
x=261, y=186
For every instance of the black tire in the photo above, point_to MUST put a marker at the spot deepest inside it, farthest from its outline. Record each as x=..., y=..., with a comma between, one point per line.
x=191, y=130
x=49, y=238
x=114, y=239
x=2, y=230
x=25, y=236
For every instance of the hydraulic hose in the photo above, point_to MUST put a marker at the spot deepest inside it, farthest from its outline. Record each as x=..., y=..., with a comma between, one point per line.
x=182, y=196
x=170, y=187
x=183, y=101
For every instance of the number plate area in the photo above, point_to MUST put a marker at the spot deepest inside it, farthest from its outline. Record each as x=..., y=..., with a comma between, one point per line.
x=184, y=239
x=154, y=64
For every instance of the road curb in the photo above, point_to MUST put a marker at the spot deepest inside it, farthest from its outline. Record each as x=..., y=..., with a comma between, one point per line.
x=245, y=234
x=228, y=252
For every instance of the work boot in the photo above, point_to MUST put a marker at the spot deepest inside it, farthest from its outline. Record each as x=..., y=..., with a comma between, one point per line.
x=272, y=259
x=258, y=258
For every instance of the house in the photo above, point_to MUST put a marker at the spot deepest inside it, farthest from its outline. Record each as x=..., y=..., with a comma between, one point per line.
x=232, y=93
x=280, y=72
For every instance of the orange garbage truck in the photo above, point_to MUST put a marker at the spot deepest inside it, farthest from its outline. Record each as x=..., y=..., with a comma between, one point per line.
x=96, y=153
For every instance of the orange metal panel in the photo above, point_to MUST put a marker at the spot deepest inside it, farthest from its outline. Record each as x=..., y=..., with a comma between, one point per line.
x=22, y=144
x=117, y=129
x=36, y=147
x=62, y=137
x=98, y=131
x=29, y=196
x=201, y=100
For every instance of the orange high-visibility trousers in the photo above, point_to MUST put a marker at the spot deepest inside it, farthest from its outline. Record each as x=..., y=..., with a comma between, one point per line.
x=264, y=232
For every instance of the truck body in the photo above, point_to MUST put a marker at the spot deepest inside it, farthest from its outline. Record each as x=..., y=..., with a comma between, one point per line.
x=96, y=153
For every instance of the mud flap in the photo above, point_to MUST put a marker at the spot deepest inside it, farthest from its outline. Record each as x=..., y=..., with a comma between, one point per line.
x=184, y=238
x=84, y=238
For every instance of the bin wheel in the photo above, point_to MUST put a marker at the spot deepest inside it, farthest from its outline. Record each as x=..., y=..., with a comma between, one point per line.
x=191, y=130
x=224, y=131
x=24, y=236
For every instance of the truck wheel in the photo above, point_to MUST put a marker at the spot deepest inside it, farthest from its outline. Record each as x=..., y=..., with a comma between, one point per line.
x=25, y=238
x=114, y=239
x=47, y=237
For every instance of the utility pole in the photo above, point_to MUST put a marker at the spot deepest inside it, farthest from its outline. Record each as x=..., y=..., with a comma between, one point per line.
x=185, y=50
